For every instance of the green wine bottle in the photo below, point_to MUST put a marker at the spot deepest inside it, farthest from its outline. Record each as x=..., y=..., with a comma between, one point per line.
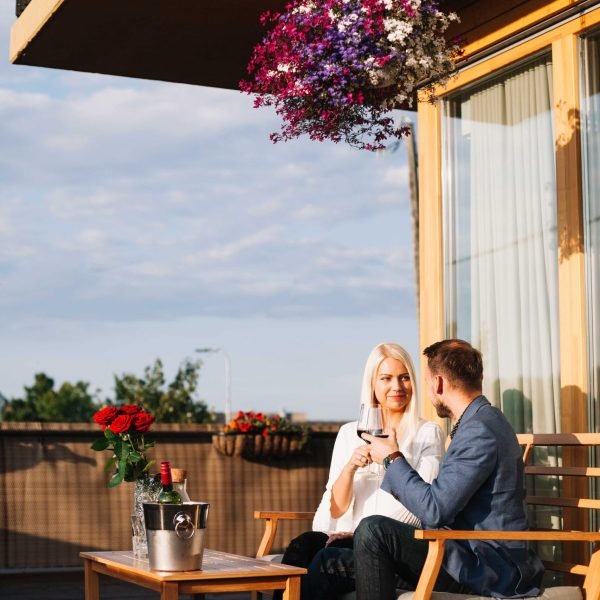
x=168, y=495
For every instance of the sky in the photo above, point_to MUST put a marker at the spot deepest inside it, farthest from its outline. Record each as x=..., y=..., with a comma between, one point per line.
x=142, y=220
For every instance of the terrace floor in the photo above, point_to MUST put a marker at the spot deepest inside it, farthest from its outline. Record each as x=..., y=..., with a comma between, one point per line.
x=69, y=586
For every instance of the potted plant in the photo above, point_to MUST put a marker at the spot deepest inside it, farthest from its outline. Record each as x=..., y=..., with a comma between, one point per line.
x=335, y=69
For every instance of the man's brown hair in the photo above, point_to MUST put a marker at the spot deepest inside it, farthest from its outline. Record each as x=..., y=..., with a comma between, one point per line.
x=458, y=361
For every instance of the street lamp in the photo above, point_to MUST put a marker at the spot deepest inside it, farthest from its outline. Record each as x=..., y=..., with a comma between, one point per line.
x=227, y=378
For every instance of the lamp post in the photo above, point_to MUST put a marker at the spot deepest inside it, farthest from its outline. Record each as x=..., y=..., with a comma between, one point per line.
x=227, y=378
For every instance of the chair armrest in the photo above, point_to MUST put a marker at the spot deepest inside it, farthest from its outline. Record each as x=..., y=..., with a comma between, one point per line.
x=539, y=536
x=437, y=537
x=272, y=518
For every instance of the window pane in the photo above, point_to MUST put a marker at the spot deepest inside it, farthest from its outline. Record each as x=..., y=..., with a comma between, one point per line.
x=590, y=125
x=501, y=268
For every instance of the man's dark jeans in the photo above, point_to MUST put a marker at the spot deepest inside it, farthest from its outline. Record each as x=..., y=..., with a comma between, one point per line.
x=385, y=555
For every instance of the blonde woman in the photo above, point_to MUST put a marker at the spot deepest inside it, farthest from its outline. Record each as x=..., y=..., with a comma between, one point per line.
x=351, y=493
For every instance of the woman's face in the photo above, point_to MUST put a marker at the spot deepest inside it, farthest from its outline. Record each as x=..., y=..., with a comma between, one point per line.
x=393, y=388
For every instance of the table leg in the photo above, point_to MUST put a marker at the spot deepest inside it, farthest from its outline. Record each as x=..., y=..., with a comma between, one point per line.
x=292, y=588
x=169, y=590
x=92, y=582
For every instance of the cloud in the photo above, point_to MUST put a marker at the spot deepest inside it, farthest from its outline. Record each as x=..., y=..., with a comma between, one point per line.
x=131, y=200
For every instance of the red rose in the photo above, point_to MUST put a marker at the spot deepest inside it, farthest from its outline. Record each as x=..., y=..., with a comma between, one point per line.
x=244, y=427
x=142, y=421
x=129, y=409
x=265, y=432
x=121, y=424
x=105, y=416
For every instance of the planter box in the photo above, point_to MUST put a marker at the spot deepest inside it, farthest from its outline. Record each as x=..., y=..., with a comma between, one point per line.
x=277, y=445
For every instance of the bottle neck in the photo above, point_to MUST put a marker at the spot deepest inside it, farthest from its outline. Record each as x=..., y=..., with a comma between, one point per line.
x=165, y=476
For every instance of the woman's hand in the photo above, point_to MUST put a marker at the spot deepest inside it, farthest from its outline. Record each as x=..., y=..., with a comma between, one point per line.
x=342, y=491
x=361, y=457
x=340, y=535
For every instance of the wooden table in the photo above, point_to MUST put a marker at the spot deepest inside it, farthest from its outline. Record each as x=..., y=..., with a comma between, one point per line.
x=221, y=572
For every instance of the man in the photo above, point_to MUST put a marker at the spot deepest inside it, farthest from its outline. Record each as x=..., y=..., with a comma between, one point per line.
x=479, y=486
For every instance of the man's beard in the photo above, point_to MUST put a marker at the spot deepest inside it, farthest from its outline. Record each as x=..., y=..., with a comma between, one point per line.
x=442, y=410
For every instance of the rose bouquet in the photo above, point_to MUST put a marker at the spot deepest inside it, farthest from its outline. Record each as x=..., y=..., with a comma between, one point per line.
x=334, y=69
x=124, y=428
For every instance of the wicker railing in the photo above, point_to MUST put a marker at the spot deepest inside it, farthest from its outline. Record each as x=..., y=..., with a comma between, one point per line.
x=54, y=501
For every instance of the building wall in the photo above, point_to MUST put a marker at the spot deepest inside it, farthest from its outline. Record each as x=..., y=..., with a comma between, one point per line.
x=499, y=35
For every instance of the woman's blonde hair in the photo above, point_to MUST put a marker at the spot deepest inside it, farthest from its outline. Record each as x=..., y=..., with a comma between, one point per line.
x=410, y=420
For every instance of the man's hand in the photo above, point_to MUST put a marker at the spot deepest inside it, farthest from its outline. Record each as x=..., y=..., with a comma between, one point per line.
x=380, y=447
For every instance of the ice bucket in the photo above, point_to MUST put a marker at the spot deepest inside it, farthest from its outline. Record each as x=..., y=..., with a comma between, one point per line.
x=175, y=535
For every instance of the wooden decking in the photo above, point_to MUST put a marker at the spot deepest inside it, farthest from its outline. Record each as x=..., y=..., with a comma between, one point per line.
x=69, y=586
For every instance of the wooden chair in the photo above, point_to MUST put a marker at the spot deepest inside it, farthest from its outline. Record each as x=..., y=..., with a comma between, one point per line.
x=573, y=476
x=576, y=478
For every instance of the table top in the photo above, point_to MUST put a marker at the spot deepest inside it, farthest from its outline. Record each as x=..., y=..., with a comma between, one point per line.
x=215, y=565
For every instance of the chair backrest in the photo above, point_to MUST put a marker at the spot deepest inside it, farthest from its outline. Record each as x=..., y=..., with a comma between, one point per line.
x=563, y=489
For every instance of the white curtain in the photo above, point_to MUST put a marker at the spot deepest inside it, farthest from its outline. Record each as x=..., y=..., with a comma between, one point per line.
x=509, y=260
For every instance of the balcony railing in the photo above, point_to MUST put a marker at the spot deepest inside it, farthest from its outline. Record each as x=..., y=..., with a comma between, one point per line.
x=54, y=501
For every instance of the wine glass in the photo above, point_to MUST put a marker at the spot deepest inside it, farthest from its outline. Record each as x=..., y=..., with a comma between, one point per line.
x=370, y=421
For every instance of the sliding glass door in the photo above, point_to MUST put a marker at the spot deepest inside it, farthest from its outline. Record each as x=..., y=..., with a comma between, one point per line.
x=500, y=241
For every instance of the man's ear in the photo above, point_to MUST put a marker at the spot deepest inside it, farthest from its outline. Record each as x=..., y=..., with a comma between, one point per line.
x=439, y=384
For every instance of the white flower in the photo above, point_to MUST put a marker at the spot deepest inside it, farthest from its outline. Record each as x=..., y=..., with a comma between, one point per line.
x=397, y=30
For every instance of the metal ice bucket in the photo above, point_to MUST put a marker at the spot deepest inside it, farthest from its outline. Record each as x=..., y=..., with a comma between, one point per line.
x=175, y=535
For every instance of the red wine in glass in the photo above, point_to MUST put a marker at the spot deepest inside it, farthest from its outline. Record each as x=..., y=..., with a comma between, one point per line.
x=370, y=421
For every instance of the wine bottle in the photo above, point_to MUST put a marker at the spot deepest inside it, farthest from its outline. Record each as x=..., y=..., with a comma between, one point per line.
x=168, y=495
x=179, y=477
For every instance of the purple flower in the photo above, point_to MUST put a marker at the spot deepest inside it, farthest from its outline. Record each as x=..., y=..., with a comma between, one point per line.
x=334, y=69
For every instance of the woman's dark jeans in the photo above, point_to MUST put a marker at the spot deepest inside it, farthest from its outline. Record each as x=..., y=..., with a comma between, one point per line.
x=303, y=549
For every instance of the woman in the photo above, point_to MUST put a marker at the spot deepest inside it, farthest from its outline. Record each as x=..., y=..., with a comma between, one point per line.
x=351, y=492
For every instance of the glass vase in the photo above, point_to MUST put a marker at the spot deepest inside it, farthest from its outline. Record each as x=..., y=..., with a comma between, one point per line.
x=146, y=490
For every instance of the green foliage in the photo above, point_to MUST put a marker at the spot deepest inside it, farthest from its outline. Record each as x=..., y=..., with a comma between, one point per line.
x=173, y=403
x=168, y=403
x=41, y=402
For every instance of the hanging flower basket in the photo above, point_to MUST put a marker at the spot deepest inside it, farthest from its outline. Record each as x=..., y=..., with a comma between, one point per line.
x=256, y=435
x=256, y=445
x=335, y=69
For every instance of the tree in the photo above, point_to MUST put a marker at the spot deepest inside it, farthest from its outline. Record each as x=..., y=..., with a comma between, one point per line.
x=70, y=403
x=173, y=404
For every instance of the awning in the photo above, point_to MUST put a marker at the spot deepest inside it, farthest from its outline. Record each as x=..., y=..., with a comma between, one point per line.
x=186, y=41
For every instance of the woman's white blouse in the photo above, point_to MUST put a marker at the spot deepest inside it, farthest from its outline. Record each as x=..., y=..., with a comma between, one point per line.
x=424, y=453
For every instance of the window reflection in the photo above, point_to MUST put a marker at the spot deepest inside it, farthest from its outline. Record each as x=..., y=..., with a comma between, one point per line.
x=590, y=127
x=501, y=269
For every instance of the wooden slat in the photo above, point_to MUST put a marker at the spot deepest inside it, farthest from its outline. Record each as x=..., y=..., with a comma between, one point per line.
x=562, y=567
x=565, y=502
x=559, y=439
x=562, y=471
